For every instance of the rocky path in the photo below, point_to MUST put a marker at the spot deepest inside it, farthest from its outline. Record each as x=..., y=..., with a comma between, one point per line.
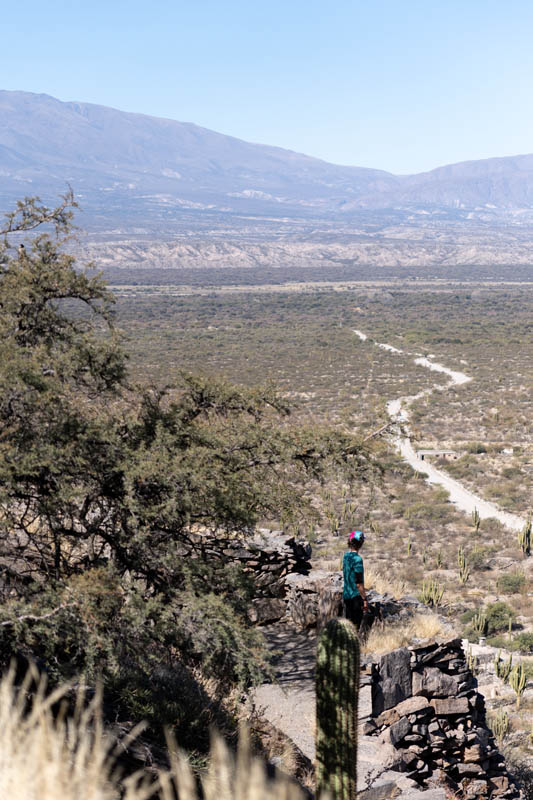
x=289, y=704
x=398, y=411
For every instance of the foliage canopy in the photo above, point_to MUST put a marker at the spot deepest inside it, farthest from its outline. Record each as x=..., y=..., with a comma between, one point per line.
x=104, y=484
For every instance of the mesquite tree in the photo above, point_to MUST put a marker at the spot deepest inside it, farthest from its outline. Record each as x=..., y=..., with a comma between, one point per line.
x=104, y=484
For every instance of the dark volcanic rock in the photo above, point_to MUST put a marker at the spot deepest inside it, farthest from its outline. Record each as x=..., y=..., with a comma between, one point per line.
x=394, y=680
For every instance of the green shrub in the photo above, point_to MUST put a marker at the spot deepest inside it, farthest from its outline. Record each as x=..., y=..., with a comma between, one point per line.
x=511, y=582
x=524, y=642
x=492, y=525
x=476, y=447
x=498, y=616
x=478, y=557
x=501, y=642
x=512, y=472
x=467, y=616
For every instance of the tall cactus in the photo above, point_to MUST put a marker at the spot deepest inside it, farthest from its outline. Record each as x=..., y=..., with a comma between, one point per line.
x=503, y=668
x=500, y=724
x=432, y=593
x=337, y=692
x=524, y=537
x=479, y=623
x=464, y=569
x=517, y=682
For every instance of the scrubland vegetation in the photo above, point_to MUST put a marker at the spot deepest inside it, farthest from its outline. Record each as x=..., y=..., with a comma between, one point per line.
x=303, y=342
x=104, y=482
x=113, y=456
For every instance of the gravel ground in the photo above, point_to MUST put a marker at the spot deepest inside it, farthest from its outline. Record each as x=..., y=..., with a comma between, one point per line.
x=289, y=703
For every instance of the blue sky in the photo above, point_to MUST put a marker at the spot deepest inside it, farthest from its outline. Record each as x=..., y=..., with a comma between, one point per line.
x=402, y=85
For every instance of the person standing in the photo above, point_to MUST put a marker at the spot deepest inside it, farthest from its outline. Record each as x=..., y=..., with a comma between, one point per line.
x=355, y=602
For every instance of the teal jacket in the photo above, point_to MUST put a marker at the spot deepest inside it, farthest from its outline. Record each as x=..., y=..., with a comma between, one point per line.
x=353, y=573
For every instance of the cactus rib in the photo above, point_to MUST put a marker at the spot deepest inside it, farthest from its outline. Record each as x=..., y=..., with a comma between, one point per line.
x=337, y=691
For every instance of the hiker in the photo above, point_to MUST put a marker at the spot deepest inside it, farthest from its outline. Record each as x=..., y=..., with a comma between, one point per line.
x=355, y=602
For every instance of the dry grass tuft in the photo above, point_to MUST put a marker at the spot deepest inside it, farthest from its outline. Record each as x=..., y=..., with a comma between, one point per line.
x=49, y=756
x=389, y=637
x=244, y=778
x=384, y=584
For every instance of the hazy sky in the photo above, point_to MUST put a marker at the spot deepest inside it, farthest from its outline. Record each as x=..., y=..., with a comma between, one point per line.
x=402, y=85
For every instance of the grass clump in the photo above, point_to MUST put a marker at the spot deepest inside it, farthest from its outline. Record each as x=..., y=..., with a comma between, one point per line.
x=389, y=637
x=50, y=755
x=385, y=584
x=47, y=758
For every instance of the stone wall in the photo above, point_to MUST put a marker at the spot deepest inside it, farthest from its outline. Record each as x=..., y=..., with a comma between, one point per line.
x=421, y=709
x=315, y=598
x=269, y=558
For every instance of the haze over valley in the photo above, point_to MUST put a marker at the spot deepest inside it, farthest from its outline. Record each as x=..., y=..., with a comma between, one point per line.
x=156, y=193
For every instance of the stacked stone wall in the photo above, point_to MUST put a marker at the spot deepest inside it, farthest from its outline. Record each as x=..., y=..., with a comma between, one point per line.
x=270, y=558
x=424, y=710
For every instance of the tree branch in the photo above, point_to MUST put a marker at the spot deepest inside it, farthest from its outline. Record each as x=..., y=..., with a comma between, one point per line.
x=376, y=433
x=35, y=618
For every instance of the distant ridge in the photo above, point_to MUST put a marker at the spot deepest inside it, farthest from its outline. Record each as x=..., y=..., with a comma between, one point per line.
x=132, y=169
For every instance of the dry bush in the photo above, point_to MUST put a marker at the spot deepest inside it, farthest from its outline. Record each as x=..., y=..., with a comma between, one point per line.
x=227, y=779
x=389, y=637
x=49, y=756
x=384, y=584
x=330, y=565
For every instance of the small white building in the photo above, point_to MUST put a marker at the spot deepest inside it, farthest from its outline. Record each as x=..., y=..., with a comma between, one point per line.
x=449, y=455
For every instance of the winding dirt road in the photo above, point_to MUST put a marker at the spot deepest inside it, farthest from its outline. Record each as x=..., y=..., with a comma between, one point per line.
x=398, y=411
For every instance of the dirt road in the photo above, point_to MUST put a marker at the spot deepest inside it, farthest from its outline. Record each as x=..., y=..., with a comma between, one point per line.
x=398, y=411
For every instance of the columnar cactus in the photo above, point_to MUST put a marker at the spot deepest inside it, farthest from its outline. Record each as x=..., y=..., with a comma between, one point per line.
x=337, y=691
x=503, y=668
x=479, y=623
x=524, y=537
x=432, y=593
x=500, y=725
x=464, y=569
x=517, y=681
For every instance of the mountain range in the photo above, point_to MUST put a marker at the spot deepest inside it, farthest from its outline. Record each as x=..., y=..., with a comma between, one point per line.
x=141, y=176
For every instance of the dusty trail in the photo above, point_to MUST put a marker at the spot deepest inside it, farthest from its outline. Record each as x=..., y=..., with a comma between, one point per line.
x=398, y=411
x=289, y=703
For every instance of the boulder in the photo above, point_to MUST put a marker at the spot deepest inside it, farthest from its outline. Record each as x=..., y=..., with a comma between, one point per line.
x=394, y=680
x=431, y=682
x=302, y=610
x=468, y=770
x=411, y=706
x=499, y=784
x=399, y=730
x=313, y=598
x=473, y=753
x=450, y=706
x=368, y=727
x=267, y=609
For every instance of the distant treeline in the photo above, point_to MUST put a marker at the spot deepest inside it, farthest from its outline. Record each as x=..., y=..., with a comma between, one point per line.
x=276, y=276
